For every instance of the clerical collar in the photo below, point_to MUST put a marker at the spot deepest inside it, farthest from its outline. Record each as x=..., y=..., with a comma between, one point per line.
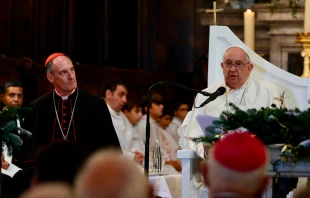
x=64, y=97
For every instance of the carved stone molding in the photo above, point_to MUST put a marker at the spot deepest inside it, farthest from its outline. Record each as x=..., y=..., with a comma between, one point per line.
x=6, y=61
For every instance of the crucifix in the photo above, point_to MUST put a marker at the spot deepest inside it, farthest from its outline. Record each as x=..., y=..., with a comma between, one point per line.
x=214, y=12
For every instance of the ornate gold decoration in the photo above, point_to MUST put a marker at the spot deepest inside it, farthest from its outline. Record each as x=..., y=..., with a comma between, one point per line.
x=304, y=38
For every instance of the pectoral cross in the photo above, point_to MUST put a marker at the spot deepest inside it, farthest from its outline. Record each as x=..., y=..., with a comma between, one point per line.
x=281, y=99
x=214, y=11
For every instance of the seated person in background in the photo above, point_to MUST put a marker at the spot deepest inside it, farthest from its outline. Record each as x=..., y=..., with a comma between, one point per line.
x=180, y=110
x=133, y=111
x=237, y=167
x=241, y=89
x=49, y=190
x=165, y=119
x=12, y=94
x=58, y=162
x=115, y=95
x=171, y=145
x=108, y=174
x=156, y=133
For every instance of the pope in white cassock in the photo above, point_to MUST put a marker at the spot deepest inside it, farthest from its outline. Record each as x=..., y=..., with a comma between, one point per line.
x=241, y=89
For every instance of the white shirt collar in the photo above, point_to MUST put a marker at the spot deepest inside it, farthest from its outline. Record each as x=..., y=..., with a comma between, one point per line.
x=112, y=112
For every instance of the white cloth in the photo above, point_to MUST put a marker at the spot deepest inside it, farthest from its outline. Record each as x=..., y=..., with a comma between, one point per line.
x=140, y=127
x=137, y=142
x=171, y=143
x=167, y=186
x=173, y=127
x=12, y=169
x=123, y=131
x=253, y=94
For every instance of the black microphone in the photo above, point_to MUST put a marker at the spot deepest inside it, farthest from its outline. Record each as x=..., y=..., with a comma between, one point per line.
x=220, y=91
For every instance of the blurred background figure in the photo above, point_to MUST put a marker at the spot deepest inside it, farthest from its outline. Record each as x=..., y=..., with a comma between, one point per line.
x=109, y=174
x=133, y=111
x=170, y=164
x=166, y=118
x=180, y=110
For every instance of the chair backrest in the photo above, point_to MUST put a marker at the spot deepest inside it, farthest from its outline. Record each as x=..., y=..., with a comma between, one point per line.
x=297, y=89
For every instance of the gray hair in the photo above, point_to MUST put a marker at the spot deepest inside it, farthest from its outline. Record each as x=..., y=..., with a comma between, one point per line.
x=247, y=58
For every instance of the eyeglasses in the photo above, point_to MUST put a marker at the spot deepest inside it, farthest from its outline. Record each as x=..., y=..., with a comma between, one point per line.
x=238, y=65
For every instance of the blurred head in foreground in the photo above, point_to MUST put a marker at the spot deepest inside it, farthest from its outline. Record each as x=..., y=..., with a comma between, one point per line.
x=237, y=167
x=49, y=190
x=108, y=174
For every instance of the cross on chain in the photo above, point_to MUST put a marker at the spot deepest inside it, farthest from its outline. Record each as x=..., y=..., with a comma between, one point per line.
x=214, y=12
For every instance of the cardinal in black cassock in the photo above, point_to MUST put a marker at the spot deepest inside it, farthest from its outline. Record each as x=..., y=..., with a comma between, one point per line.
x=69, y=113
x=91, y=124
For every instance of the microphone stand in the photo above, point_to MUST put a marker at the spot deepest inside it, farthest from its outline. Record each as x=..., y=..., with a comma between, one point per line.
x=147, y=130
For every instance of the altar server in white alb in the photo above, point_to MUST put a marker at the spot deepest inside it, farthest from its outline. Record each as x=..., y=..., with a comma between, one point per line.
x=241, y=89
x=115, y=95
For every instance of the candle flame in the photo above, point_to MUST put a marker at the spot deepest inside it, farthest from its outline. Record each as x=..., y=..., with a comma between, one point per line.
x=248, y=11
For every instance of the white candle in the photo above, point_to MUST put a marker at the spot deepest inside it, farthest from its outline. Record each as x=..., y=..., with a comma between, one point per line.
x=249, y=24
x=307, y=16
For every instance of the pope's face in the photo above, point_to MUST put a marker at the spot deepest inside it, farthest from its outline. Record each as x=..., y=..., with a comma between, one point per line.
x=13, y=97
x=236, y=77
x=63, y=75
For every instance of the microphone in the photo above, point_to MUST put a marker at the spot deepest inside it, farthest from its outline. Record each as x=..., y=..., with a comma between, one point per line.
x=220, y=91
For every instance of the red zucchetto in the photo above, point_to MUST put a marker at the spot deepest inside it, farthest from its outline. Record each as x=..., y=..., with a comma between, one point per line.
x=241, y=152
x=52, y=56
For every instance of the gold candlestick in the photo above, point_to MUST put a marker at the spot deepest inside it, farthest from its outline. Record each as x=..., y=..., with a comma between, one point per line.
x=305, y=40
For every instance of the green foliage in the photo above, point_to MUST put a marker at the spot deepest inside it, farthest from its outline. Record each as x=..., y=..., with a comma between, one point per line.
x=8, y=125
x=272, y=125
x=293, y=5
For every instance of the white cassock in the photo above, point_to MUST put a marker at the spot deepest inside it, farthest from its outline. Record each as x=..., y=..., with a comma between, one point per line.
x=123, y=131
x=254, y=94
x=173, y=128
